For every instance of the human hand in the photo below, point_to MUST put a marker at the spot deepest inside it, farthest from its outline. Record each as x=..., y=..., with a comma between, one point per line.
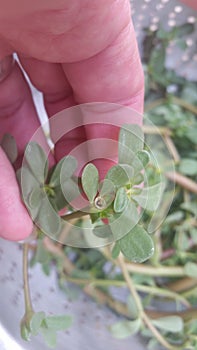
x=74, y=52
x=191, y=3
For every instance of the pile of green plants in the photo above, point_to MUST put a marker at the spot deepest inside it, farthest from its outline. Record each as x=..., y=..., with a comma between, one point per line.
x=159, y=266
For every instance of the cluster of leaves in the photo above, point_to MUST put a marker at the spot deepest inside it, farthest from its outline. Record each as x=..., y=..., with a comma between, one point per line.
x=112, y=203
x=48, y=326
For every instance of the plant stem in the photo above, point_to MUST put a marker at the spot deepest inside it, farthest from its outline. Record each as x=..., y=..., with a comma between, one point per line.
x=159, y=271
x=130, y=285
x=28, y=303
x=75, y=215
x=183, y=181
x=139, y=306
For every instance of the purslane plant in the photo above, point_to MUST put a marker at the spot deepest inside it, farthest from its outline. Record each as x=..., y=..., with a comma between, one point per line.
x=113, y=207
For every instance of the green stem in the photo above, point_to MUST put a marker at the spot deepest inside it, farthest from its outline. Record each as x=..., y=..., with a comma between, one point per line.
x=28, y=303
x=146, y=289
x=76, y=215
x=160, y=271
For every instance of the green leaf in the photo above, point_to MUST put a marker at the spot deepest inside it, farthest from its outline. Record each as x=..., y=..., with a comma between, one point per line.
x=107, y=191
x=49, y=336
x=90, y=181
x=58, y=201
x=193, y=234
x=137, y=245
x=47, y=219
x=188, y=166
x=124, y=329
x=58, y=323
x=131, y=138
x=190, y=269
x=28, y=184
x=122, y=223
x=191, y=134
x=102, y=231
x=9, y=146
x=150, y=197
x=190, y=206
x=63, y=170
x=35, y=197
x=37, y=161
x=138, y=179
x=173, y=324
x=132, y=308
x=120, y=175
x=121, y=200
x=144, y=157
x=36, y=322
x=116, y=250
x=25, y=332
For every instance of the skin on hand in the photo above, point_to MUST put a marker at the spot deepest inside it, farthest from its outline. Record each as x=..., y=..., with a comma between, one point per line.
x=74, y=52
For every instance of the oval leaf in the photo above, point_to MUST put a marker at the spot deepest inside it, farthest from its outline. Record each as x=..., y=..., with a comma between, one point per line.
x=58, y=323
x=122, y=223
x=173, y=324
x=47, y=219
x=121, y=200
x=36, y=322
x=120, y=175
x=137, y=245
x=144, y=157
x=37, y=161
x=131, y=137
x=90, y=181
x=150, y=197
x=102, y=231
x=63, y=170
x=124, y=329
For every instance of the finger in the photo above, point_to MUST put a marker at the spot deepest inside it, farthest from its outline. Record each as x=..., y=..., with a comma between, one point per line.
x=114, y=75
x=50, y=79
x=15, y=223
x=17, y=117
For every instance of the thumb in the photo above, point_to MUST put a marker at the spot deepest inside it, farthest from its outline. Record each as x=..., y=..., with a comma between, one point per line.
x=15, y=222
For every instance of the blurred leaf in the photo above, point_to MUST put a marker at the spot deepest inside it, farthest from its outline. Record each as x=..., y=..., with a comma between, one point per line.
x=49, y=336
x=175, y=217
x=58, y=201
x=193, y=234
x=107, y=191
x=171, y=324
x=131, y=137
x=191, y=134
x=138, y=179
x=36, y=322
x=35, y=197
x=120, y=175
x=102, y=231
x=188, y=166
x=25, y=332
x=124, y=329
x=122, y=223
x=121, y=200
x=190, y=206
x=90, y=181
x=190, y=269
x=37, y=161
x=115, y=250
x=144, y=157
x=137, y=245
x=132, y=308
x=9, y=146
x=63, y=170
x=184, y=29
x=47, y=219
x=58, y=323
x=70, y=190
x=150, y=197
